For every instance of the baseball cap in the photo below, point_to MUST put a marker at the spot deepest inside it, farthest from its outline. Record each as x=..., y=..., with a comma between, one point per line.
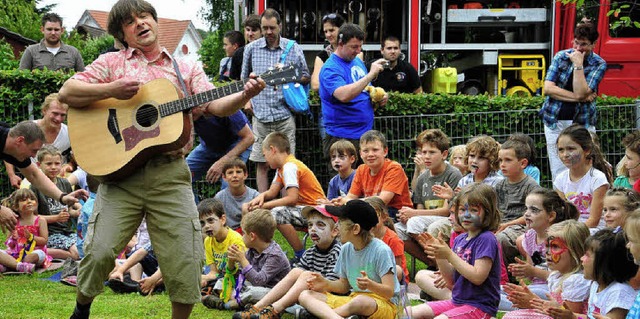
x=320, y=209
x=358, y=211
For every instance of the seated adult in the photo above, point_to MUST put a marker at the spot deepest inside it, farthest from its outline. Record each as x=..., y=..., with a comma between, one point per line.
x=221, y=139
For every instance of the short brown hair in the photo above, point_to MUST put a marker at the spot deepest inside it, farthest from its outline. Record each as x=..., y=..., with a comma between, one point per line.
x=631, y=141
x=522, y=149
x=436, y=138
x=210, y=206
x=123, y=11
x=343, y=147
x=17, y=196
x=271, y=13
x=233, y=163
x=278, y=140
x=51, y=17
x=484, y=146
x=252, y=21
x=373, y=136
x=260, y=222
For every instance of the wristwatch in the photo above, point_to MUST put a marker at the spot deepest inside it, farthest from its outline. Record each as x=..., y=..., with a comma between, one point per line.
x=578, y=67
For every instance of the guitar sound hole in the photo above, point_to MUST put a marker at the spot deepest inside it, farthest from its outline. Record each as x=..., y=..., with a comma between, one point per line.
x=147, y=115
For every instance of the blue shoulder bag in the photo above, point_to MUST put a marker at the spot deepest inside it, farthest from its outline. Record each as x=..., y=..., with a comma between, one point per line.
x=295, y=94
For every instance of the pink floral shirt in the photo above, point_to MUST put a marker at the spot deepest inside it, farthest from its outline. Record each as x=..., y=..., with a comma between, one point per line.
x=131, y=63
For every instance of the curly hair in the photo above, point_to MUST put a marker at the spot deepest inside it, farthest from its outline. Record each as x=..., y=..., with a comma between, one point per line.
x=484, y=146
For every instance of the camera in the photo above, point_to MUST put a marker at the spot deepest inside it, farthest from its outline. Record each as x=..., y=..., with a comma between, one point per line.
x=386, y=65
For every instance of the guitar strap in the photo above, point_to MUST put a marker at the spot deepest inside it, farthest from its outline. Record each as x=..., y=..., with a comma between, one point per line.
x=180, y=79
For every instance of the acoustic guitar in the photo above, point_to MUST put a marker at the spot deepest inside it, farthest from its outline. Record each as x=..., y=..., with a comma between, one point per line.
x=110, y=138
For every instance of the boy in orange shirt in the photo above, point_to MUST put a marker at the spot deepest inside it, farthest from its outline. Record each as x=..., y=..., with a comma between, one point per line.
x=379, y=176
x=301, y=189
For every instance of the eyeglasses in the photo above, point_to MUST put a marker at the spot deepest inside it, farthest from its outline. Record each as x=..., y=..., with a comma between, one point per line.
x=581, y=44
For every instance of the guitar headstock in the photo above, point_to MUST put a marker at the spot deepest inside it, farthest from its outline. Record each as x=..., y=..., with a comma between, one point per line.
x=281, y=75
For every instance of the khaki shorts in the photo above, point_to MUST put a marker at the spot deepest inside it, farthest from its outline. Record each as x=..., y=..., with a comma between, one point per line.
x=161, y=190
x=385, y=310
x=261, y=130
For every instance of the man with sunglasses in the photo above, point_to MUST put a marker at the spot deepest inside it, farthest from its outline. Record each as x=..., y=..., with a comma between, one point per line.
x=571, y=87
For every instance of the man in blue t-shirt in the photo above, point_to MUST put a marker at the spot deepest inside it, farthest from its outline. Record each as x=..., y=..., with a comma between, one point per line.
x=221, y=139
x=346, y=108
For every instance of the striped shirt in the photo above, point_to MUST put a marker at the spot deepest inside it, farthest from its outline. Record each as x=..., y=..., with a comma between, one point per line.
x=560, y=72
x=269, y=105
x=322, y=262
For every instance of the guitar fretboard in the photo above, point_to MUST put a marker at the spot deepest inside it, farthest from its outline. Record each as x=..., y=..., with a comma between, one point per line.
x=191, y=101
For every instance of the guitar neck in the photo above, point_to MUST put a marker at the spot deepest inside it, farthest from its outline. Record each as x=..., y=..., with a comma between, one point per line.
x=191, y=101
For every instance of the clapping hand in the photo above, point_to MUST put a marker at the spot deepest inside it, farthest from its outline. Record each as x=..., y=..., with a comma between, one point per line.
x=364, y=281
x=438, y=249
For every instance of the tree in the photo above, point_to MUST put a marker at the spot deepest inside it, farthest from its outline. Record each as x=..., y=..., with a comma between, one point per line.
x=219, y=14
x=21, y=16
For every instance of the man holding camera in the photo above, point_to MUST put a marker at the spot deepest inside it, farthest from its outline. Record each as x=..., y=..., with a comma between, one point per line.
x=346, y=108
x=398, y=75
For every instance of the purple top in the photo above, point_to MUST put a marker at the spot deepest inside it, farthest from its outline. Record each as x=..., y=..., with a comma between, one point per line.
x=269, y=267
x=486, y=296
x=338, y=186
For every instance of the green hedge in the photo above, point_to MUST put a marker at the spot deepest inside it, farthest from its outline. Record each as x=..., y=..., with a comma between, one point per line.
x=18, y=87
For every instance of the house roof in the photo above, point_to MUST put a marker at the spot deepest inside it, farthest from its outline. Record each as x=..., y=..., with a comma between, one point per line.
x=16, y=36
x=171, y=30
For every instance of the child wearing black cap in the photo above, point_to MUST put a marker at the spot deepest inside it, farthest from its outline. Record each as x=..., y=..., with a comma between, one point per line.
x=366, y=267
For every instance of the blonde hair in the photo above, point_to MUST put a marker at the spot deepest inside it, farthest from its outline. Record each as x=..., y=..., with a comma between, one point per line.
x=260, y=222
x=483, y=195
x=632, y=224
x=48, y=150
x=278, y=140
x=458, y=150
x=575, y=234
x=49, y=99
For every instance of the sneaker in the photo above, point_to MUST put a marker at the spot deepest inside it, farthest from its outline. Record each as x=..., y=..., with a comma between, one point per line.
x=302, y=313
x=267, y=313
x=26, y=268
x=247, y=313
x=126, y=286
x=213, y=302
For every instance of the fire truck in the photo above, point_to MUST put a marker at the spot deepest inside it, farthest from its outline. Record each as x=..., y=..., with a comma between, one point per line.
x=495, y=46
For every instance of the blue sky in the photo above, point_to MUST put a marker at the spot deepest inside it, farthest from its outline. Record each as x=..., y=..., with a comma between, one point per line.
x=71, y=10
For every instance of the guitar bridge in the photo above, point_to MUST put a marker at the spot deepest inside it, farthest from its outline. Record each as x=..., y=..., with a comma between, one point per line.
x=112, y=125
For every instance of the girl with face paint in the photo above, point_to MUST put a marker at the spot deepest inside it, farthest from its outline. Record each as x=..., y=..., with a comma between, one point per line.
x=568, y=288
x=472, y=266
x=544, y=208
x=588, y=177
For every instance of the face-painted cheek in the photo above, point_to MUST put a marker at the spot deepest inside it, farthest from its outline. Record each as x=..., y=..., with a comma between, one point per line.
x=574, y=157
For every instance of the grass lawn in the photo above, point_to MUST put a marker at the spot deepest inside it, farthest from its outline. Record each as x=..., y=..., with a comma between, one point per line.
x=28, y=296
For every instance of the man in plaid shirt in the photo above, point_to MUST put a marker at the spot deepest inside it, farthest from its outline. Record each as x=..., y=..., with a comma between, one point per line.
x=269, y=109
x=571, y=87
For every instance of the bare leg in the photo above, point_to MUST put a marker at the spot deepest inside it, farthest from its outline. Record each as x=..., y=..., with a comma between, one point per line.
x=180, y=310
x=291, y=297
x=262, y=178
x=281, y=289
x=59, y=253
x=316, y=303
x=422, y=311
x=291, y=235
x=425, y=280
x=7, y=260
x=360, y=305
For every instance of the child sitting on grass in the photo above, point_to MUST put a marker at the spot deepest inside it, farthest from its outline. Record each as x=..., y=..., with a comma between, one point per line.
x=366, y=267
x=260, y=268
x=219, y=238
x=27, y=244
x=320, y=258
